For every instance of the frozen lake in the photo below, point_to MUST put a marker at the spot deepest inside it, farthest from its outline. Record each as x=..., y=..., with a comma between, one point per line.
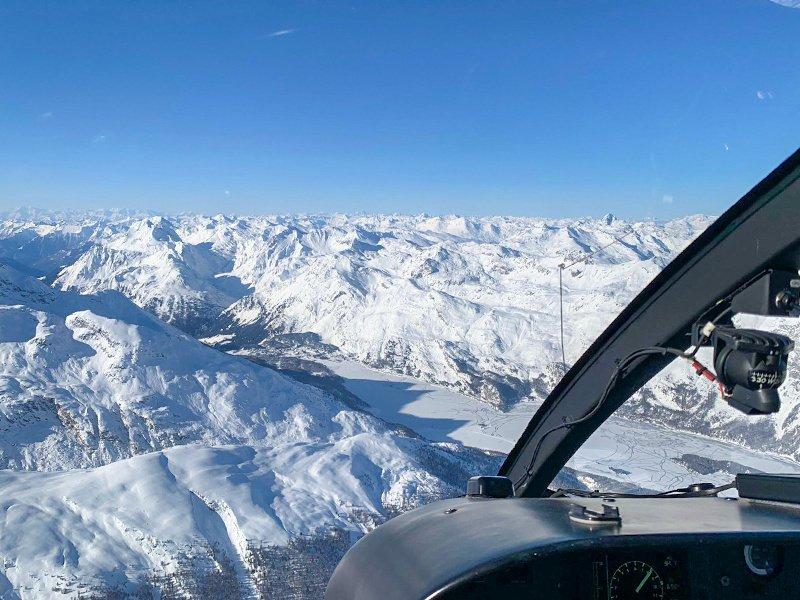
x=635, y=453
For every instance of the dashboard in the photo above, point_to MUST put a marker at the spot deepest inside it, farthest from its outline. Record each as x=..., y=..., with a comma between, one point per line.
x=702, y=571
x=530, y=548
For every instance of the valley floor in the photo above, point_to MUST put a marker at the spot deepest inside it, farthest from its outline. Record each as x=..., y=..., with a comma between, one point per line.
x=635, y=455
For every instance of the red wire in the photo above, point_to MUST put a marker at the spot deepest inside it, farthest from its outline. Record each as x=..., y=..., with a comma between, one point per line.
x=701, y=370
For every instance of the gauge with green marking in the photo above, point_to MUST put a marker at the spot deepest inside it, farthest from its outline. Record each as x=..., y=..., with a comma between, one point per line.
x=636, y=580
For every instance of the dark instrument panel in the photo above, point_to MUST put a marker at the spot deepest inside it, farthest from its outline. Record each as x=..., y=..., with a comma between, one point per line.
x=530, y=548
x=702, y=571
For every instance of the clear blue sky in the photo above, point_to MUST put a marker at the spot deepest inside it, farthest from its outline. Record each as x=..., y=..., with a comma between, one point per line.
x=558, y=108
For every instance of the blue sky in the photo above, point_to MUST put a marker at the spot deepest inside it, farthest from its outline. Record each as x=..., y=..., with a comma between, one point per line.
x=562, y=108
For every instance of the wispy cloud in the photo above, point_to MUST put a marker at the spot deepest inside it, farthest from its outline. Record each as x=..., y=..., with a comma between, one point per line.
x=46, y=116
x=764, y=95
x=667, y=198
x=280, y=33
x=789, y=3
x=100, y=138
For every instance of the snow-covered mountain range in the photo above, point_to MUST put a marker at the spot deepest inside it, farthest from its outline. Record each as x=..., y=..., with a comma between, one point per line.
x=466, y=303
x=145, y=452
x=247, y=459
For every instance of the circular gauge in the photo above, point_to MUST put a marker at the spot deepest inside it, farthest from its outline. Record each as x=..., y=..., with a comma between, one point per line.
x=763, y=560
x=636, y=579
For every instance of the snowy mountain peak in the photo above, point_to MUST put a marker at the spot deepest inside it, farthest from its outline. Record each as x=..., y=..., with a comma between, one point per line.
x=153, y=229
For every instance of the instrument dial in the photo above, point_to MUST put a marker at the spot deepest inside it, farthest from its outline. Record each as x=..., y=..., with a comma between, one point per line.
x=763, y=560
x=636, y=580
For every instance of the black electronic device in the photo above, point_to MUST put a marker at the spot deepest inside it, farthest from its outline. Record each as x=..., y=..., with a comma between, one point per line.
x=778, y=487
x=774, y=293
x=750, y=365
x=485, y=486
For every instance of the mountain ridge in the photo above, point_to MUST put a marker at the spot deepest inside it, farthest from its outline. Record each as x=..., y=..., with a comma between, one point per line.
x=450, y=300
